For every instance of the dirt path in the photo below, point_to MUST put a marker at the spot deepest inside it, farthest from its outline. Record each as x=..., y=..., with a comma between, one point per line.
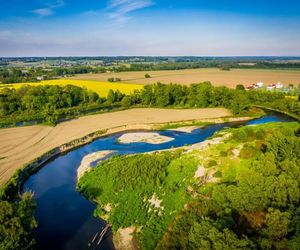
x=21, y=145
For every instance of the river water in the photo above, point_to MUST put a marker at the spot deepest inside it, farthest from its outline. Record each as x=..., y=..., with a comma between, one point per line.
x=65, y=218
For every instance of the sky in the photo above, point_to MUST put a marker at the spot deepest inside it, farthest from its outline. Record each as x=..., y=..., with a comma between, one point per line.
x=149, y=28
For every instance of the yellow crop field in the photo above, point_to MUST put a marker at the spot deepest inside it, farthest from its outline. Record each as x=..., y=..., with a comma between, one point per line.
x=100, y=87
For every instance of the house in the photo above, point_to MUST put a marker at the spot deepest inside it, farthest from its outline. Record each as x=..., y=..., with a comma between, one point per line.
x=40, y=78
x=260, y=84
x=279, y=85
x=252, y=86
x=271, y=86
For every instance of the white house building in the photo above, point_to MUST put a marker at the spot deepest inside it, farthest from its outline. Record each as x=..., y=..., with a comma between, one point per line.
x=279, y=85
x=271, y=87
x=260, y=84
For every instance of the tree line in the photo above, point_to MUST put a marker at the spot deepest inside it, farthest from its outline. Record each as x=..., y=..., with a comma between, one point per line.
x=205, y=95
x=51, y=102
x=17, y=75
x=45, y=101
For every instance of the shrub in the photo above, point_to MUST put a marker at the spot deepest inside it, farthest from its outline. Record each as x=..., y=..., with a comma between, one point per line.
x=248, y=151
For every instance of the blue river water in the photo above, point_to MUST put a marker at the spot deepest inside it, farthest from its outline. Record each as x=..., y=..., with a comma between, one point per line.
x=65, y=218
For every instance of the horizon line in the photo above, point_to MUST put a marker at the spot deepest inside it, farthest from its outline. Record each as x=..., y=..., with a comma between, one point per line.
x=195, y=56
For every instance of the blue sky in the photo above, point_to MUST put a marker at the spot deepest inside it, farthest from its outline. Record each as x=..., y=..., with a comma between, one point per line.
x=149, y=27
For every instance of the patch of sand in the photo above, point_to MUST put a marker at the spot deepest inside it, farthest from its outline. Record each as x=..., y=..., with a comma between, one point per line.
x=107, y=207
x=123, y=239
x=21, y=145
x=236, y=151
x=188, y=129
x=86, y=161
x=148, y=137
x=205, y=176
x=204, y=144
x=200, y=172
x=155, y=202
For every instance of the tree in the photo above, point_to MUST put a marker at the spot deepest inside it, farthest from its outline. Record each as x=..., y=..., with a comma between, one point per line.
x=161, y=95
x=225, y=68
x=239, y=103
x=277, y=224
x=147, y=76
x=204, y=92
x=147, y=96
x=17, y=223
x=126, y=101
x=111, y=96
x=240, y=87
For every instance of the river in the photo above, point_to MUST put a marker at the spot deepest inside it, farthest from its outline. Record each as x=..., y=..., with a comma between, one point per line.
x=65, y=218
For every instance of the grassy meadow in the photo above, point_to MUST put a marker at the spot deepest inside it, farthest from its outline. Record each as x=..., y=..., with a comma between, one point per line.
x=100, y=87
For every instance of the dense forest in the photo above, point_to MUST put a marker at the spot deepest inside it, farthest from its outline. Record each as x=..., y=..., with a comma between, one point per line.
x=248, y=199
x=54, y=103
x=258, y=209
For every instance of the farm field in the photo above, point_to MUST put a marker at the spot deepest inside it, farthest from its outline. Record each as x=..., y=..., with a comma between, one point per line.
x=215, y=76
x=20, y=145
x=101, y=87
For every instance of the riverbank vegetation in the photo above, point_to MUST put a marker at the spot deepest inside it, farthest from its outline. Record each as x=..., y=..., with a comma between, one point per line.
x=46, y=103
x=53, y=103
x=242, y=193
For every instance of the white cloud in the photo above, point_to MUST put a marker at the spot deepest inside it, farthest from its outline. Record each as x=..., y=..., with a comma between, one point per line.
x=49, y=9
x=119, y=8
x=43, y=12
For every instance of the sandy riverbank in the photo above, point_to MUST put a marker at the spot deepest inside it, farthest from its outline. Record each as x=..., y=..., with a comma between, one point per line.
x=188, y=129
x=87, y=160
x=21, y=145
